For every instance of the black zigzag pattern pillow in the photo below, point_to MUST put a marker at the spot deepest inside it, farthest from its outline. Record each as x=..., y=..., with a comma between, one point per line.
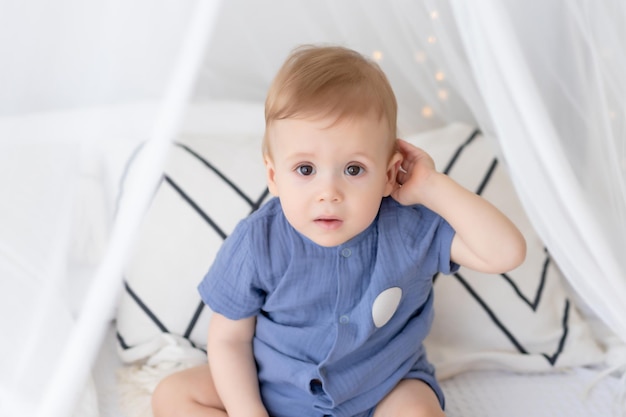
x=209, y=184
x=522, y=320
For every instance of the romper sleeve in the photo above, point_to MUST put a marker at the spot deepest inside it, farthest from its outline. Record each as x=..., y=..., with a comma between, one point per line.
x=428, y=233
x=231, y=287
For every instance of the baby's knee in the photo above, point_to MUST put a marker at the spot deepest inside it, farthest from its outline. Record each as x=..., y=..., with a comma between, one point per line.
x=410, y=398
x=425, y=410
x=419, y=410
x=165, y=396
x=184, y=393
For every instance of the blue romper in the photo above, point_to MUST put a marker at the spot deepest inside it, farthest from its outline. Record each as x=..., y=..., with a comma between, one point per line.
x=337, y=327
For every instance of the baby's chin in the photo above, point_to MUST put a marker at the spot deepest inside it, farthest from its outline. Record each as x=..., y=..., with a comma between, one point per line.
x=329, y=240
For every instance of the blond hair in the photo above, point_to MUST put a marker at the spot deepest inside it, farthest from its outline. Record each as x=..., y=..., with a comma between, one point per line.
x=330, y=81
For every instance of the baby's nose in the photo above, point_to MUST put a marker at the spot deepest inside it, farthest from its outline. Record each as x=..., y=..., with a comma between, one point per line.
x=330, y=191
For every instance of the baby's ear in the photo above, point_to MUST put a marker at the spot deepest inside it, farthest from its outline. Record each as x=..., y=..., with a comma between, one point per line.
x=394, y=166
x=392, y=171
x=270, y=172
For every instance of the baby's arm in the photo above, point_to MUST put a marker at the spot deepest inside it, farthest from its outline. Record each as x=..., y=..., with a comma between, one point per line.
x=229, y=349
x=485, y=239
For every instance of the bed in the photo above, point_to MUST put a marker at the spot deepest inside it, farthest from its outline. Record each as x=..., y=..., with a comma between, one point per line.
x=523, y=344
x=531, y=349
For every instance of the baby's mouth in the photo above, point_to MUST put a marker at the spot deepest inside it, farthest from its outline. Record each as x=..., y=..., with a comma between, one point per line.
x=329, y=223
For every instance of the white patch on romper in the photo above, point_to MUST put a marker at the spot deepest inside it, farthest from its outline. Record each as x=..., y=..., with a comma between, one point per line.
x=385, y=305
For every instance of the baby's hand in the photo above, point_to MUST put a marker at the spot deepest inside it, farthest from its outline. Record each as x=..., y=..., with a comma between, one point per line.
x=415, y=170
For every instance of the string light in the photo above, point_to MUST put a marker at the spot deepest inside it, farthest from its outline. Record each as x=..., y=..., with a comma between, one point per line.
x=377, y=56
x=420, y=57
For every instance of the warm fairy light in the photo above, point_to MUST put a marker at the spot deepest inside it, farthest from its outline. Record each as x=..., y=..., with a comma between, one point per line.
x=612, y=115
x=427, y=112
x=442, y=94
x=434, y=15
x=440, y=76
x=432, y=39
x=420, y=57
x=377, y=55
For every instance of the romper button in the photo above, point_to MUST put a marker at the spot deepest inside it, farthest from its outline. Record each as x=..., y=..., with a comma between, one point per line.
x=345, y=252
x=344, y=319
x=315, y=385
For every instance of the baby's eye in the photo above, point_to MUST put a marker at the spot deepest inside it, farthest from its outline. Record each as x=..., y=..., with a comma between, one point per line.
x=305, y=170
x=354, y=170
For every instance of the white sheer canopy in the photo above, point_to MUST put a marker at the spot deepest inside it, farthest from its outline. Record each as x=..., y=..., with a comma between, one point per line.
x=74, y=83
x=546, y=81
x=552, y=79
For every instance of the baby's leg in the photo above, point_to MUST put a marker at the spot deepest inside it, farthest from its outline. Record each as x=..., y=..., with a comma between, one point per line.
x=188, y=393
x=410, y=398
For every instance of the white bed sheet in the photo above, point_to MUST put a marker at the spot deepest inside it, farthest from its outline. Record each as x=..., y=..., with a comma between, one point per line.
x=472, y=394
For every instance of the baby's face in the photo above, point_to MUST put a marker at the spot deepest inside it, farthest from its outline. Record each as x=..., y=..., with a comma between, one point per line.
x=330, y=178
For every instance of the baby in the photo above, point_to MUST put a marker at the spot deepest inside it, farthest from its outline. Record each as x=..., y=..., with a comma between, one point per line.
x=322, y=297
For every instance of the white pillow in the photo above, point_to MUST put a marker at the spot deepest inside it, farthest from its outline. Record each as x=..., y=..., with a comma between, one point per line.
x=522, y=320
x=210, y=183
x=481, y=321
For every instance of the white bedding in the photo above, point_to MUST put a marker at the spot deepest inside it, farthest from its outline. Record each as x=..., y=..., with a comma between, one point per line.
x=472, y=394
x=559, y=393
x=476, y=393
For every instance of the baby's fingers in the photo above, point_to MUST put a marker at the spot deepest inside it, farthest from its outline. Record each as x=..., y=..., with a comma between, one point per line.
x=414, y=155
x=409, y=150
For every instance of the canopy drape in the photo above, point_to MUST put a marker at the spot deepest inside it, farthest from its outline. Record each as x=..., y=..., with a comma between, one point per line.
x=552, y=78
